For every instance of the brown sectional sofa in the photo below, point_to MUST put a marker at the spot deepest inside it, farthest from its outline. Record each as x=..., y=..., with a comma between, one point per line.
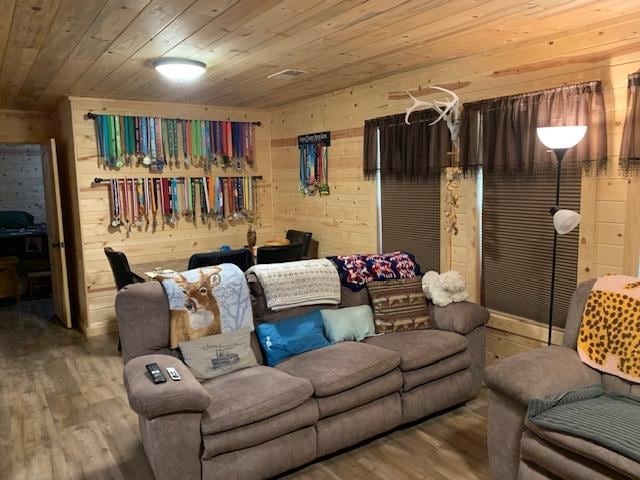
x=518, y=449
x=262, y=421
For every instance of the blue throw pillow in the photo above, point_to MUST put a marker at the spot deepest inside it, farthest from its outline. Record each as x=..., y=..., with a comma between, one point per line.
x=290, y=337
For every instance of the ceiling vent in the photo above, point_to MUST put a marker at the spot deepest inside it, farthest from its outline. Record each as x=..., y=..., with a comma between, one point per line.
x=287, y=74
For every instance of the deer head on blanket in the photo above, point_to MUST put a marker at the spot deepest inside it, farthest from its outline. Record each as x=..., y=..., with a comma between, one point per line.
x=449, y=111
x=203, y=313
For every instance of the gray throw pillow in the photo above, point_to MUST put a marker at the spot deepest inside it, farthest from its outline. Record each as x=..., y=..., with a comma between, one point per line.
x=348, y=324
x=215, y=355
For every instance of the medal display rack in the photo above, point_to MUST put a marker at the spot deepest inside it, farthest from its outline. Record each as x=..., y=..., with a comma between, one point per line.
x=314, y=163
x=157, y=143
x=144, y=201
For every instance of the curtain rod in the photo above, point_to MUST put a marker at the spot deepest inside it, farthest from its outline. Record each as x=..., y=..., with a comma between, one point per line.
x=98, y=180
x=91, y=115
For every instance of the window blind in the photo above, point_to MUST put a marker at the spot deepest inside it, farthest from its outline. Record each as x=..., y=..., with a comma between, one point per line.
x=410, y=217
x=517, y=245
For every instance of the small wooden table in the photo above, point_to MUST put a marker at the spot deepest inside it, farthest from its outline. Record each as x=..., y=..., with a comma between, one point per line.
x=142, y=269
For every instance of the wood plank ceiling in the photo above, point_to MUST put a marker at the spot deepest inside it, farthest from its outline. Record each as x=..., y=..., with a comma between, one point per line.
x=103, y=48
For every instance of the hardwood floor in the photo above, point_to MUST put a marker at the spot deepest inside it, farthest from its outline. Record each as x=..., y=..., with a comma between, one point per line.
x=64, y=415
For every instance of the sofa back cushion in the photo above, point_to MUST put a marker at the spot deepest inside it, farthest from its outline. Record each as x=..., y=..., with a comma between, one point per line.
x=143, y=320
x=261, y=313
x=574, y=315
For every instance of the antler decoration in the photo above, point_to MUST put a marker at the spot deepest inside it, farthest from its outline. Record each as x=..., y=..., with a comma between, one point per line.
x=449, y=111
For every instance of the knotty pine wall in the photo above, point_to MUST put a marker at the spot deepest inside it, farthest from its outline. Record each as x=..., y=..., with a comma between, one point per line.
x=93, y=277
x=18, y=126
x=345, y=222
x=22, y=181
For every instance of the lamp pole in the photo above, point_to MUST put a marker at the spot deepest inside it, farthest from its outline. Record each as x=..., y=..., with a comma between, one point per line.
x=559, y=152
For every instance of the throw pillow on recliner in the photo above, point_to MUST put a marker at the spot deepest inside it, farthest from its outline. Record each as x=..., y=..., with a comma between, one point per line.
x=215, y=355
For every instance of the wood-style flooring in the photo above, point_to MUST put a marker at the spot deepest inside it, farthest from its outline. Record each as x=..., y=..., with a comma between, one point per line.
x=64, y=415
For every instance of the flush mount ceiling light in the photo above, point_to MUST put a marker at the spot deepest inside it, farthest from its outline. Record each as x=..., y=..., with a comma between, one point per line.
x=179, y=69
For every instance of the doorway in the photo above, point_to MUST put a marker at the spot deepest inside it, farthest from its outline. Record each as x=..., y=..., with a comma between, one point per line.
x=32, y=265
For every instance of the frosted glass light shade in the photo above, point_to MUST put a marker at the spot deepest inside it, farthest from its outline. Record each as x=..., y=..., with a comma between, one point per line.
x=561, y=137
x=566, y=220
x=181, y=70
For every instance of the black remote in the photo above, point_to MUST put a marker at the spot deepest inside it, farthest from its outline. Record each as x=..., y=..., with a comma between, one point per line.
x=155, y=372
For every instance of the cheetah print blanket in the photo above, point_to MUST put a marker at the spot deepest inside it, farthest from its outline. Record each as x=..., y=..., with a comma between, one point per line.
x=609, y=337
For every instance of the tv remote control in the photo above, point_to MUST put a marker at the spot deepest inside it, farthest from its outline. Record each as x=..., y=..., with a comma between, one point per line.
x=173, y=374
x=155, y=372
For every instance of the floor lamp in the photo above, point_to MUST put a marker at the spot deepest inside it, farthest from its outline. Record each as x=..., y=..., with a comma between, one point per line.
x=560, y=139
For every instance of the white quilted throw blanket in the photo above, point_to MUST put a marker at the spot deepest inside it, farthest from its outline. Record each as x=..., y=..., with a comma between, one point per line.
x=295, y=284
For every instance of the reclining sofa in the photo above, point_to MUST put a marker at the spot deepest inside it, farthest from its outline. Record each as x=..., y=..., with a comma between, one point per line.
x=261, y=421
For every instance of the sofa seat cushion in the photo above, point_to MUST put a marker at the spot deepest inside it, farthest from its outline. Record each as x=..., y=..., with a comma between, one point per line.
x=586, y=449
x=445, y=367
x=341, y=366
x=361, y=395
x=250, y=395
x=262, y=431
x=420, y=348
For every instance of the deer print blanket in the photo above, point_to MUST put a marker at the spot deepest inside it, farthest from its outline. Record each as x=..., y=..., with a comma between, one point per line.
x=609, y=336
x=207, y=301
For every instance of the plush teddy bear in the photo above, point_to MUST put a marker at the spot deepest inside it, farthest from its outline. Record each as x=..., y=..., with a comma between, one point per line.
x=444, y=288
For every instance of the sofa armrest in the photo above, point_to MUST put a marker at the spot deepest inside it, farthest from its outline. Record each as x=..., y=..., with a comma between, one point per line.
x=151, y=400
x=540, y=373
x=460, y=317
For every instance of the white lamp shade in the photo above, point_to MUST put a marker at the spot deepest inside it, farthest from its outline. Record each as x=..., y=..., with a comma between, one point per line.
x=561, y=137
x=181, y=70
x=566, y=220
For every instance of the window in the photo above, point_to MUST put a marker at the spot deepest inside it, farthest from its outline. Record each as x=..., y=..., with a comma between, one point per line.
x=410, y=219
x=517, y=245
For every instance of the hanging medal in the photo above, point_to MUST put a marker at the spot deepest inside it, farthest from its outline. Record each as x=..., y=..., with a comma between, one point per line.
x=154, y=201
x=165, y=142
x=186, y=192
x=175, y=212
x=147, y=200
x=324, y=184
x=211, y=195
x=204, y=194
x=115, y=208
x=166, y=200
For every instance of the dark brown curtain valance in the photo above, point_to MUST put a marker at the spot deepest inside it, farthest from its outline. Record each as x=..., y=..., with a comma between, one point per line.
x=407, y=152
x=630, y=146
x=499, y=134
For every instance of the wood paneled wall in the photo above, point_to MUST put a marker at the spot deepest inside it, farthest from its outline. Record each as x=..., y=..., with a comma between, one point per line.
x=346, y=220
x=93, y=275
x=22, y=182
x=18, y=126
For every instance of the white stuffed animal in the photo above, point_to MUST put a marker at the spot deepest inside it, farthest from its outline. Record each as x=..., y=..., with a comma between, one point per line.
x=444, y=288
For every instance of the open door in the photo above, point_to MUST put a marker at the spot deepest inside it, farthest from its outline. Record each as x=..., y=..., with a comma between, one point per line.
x=57, y=255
